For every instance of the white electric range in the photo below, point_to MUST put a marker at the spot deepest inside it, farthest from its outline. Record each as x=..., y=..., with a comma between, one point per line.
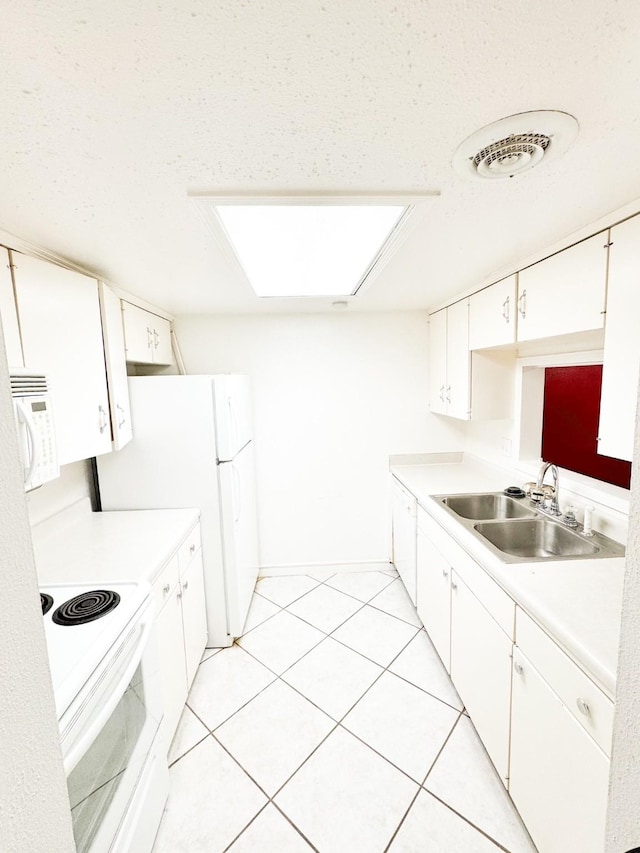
x=105, y=677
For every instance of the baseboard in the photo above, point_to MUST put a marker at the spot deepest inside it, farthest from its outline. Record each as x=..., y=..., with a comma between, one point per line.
x=321, y=570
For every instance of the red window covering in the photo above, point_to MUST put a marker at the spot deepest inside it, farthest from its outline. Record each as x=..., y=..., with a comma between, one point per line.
x=570, y=424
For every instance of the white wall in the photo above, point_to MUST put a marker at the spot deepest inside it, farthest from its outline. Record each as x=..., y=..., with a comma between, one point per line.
x=34, y=808
x=623, y=826
x=334, y=396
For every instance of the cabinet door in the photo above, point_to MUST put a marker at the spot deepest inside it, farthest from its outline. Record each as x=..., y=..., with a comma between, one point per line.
x=492, y=315
x=113, y=335
x=404, y=507
x=621, y=344
x=434, y=595
x=8, y=313
x=194, y=617
x=458, y=361
x=138, y=333
x=559, y=776
x=172, y=668
x=161, y=340
x=59, y=315
x=564, y=293
x=438, y=362
x=481, y=671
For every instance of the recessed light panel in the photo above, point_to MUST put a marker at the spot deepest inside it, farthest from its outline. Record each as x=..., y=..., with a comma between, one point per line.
x=291, y=250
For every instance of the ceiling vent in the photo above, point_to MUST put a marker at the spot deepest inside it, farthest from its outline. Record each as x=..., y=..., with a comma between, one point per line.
x=515, y=144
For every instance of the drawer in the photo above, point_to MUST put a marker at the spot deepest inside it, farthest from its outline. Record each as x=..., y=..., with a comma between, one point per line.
x=582, y=697
x=165, y=583
x=188, y=549
x=494, y=599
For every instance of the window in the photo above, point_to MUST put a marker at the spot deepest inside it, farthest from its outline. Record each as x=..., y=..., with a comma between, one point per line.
x=570, y=424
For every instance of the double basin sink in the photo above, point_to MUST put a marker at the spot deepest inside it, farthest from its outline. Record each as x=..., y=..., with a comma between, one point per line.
x=519, y=533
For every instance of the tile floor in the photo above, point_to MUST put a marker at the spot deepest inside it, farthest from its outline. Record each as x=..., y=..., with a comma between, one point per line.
x=331, y=725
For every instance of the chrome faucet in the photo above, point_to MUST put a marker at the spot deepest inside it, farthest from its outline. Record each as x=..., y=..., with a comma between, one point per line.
x=553, y=508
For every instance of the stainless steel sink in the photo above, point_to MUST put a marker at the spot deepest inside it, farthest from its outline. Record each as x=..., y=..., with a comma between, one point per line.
x=544, y=539
x=487, y=506
x=520, y=533
x=537, y=538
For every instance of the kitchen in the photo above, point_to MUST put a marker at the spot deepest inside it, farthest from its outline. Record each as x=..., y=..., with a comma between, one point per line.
x=370, y=131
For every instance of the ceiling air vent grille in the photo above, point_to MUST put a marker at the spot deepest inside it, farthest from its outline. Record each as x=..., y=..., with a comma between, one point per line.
x=515, y=144
x=513, y=154
x=28, y=384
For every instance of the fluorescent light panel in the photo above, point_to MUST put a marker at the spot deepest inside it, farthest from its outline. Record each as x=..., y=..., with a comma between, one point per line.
x=307, y=250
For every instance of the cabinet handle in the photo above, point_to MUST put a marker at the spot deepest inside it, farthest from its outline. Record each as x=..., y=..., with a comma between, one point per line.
x=518, y=668
x=149, y=334
x=442, y=393
x=185, y=585
x=156, y=337
x=445, y=573
x=522, y=304
x=103, y=418
x=192, y=548
x=583, y=707
x=454, y=585
x=505, y=309
x=166, y=588
x=179, y=594
x=448, y=393
x=124, y=420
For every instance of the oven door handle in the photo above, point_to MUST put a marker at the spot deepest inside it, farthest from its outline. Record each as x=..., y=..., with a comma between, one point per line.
x=110, y=694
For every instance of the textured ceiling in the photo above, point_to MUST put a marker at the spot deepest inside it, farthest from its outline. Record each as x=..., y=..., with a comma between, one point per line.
x=114, y=112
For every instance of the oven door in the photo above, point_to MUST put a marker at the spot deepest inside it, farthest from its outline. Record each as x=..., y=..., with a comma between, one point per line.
x=112, y=739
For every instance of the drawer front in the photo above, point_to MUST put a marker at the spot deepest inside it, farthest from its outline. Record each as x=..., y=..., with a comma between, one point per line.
x=164, y=584
x=582, y=697
x=189, y=548
x=485, y=589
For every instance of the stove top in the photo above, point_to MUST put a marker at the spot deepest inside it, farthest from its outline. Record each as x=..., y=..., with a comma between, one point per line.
x=81, y=624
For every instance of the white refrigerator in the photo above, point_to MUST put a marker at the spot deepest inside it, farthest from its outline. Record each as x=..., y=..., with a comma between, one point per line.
x=192, y=447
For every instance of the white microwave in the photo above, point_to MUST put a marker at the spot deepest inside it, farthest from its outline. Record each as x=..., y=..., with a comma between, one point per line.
x=35, y=425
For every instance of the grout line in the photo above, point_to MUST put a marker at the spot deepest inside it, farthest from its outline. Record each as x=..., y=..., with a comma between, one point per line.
x=338, y=723
x=468, y=821
x=245, y=828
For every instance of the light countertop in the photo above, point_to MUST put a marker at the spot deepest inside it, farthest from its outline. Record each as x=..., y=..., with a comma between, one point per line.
x=79, y=546
x=578, y=602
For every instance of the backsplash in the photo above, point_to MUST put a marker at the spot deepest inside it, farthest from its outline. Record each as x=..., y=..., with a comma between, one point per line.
x=73, y=484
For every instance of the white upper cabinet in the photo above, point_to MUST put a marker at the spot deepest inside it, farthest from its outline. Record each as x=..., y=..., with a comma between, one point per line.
x=8, y=313
x=449, y=361
x=438, y=362
x=113, y=335
x=147, y=336
x=564, y=293
x=492, y=315
x=59, y=314
x=621, y=343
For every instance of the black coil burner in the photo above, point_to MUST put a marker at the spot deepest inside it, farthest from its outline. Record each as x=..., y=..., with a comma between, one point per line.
x=86, y=607
x=46, y=601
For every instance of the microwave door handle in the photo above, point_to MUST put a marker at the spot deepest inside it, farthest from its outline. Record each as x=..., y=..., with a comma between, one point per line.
x=34, y=454
x=108, y=701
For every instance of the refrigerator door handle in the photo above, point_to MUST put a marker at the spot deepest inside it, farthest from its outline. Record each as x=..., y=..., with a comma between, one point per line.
x=237, y=492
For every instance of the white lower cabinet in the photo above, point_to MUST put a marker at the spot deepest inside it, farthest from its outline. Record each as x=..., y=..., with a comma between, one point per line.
x=545, y=724
x=559, y=775
x=481, y=671
x=404, y=508
x=433, y=581
x=180, y=627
